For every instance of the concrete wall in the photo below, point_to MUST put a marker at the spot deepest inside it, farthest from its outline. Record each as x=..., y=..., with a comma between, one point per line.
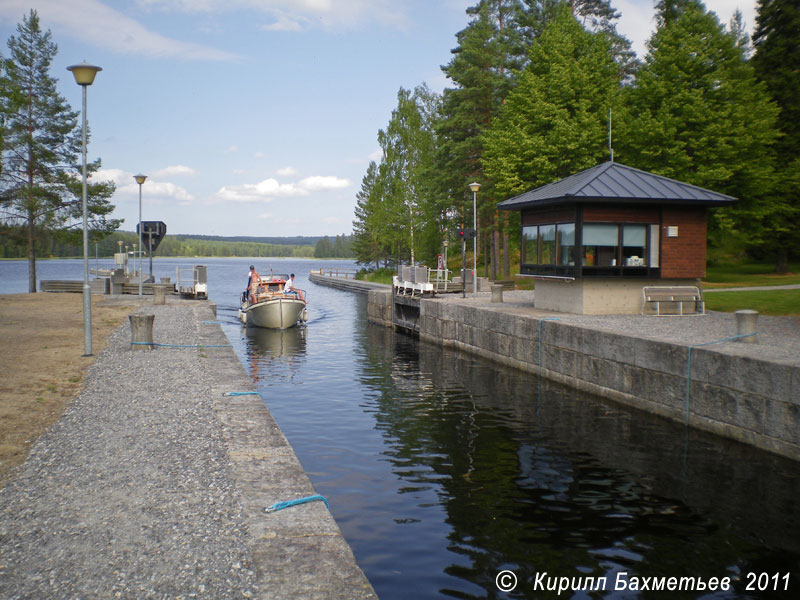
x=379, y=307
x=597, y=296
x=753, y=401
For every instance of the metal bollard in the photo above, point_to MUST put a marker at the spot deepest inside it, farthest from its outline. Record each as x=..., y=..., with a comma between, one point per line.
x=141, y=331
x=746, y=321
x=497, y=292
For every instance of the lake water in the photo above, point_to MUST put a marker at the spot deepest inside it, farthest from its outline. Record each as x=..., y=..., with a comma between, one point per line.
x=443, y=469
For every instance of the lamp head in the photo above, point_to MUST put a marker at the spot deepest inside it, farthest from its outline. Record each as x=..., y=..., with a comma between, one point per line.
x=475, y=186
x=84, y=73
x=140, y=179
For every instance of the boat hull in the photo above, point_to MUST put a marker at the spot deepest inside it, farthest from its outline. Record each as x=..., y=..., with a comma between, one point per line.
x=276, y=313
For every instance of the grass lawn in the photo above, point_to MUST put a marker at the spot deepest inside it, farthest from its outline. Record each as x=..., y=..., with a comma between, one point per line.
x=749, y=274
x=775, y=302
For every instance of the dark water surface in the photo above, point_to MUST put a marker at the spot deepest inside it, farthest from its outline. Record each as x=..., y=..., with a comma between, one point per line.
x=443, y=469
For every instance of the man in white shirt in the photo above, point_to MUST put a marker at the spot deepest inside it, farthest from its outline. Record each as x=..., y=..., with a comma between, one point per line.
x=289, y=288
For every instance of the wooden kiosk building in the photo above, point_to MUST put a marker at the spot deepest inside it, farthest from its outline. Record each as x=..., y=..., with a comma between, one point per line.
x=595, y=239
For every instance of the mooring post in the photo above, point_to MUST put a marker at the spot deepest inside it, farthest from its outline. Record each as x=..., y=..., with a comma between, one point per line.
x=746, y=325
x=497, y=292
x=159, y=293
x=141, y=331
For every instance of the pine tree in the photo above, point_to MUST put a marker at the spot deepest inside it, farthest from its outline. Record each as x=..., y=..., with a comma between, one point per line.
x=39, y=184
x=597, y=16
x=700, y=115
x=324, y=248
x=365, y=240
x=490, y=49
x=777, y=64
x=555, y=121
x=408, y=145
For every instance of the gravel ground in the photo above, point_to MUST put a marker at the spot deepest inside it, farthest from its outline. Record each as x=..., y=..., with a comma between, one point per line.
x=778, y=337
x=131, y=494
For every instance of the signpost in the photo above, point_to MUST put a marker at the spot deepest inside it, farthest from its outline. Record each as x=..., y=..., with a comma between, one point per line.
x=155, y=232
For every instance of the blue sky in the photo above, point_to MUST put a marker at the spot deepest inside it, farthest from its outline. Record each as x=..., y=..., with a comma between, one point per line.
x=255, y=117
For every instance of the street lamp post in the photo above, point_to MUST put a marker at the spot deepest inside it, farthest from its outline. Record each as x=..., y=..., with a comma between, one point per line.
x=475, y=187
x=445, y=243
x=84, y=76
x=140, y=179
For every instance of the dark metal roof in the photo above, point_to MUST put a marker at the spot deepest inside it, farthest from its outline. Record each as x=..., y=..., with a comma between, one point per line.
x=613, y=182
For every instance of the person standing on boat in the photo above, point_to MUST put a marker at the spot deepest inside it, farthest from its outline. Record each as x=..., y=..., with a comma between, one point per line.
x=249, y=282
x=289, y=288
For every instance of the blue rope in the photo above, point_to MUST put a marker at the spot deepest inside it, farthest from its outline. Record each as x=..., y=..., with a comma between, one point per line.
x=286, y=504
x=212, y=322
x=181, y=346
x=689, y=364
x=242, y=394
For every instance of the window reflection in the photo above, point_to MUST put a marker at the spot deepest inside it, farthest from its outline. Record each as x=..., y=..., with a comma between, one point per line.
x=600, y=243
x=566, y=244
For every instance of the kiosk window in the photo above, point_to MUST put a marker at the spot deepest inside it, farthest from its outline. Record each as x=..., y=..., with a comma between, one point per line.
x=600, y=244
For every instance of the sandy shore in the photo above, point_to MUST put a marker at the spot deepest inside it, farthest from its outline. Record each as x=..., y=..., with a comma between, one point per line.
x=42, y=364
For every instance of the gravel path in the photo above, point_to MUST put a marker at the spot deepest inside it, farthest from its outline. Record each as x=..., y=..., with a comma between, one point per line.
x=130, y=494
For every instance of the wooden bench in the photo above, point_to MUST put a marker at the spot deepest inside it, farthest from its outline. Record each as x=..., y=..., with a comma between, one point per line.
x=677, y=294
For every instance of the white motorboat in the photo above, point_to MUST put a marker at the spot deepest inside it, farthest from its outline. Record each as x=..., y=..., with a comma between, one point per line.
x=266, y=304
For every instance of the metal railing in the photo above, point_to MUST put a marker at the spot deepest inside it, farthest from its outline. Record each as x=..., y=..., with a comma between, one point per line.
x=341, y=273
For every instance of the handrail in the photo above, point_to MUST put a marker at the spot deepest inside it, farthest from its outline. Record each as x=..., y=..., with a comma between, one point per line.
x=340, y=273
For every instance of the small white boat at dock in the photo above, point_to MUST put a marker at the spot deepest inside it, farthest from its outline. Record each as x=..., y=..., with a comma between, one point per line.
x=267, y=305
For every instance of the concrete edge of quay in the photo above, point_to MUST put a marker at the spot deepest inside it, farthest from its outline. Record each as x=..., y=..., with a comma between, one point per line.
x=154, y=483
x=298, y=552
x=748, y=398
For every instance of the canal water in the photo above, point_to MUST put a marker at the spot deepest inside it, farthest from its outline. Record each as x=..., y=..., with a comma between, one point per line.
x=444, y=470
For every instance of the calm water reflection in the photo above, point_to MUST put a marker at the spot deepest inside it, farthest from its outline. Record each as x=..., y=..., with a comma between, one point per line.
x=443, y=469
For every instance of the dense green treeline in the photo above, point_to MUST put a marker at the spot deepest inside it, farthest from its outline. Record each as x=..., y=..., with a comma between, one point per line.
x=171, y=246
x=12, y=246
x=340, y=247
x=541, y=89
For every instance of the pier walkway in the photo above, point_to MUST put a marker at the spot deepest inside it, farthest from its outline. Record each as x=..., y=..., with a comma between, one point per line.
x=154, y=483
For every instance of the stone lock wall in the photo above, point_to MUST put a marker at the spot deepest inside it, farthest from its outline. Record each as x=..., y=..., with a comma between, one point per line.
x=750, y=400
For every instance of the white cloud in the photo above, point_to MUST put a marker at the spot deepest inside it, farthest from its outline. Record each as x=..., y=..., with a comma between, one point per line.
x=118, y=176
x=175, y=170
x=230, y=150
x=298, y=15
x=317, y=182
x=284, y=23
x=94, y=22
x=377, y=155
x=269, y=189
x=153, y=192
x=159, y=190
x=287, y=171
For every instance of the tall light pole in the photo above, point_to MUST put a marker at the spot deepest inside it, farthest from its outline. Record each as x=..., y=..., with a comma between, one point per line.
x=84, y=77
x=475, y=187
x=140, y=179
